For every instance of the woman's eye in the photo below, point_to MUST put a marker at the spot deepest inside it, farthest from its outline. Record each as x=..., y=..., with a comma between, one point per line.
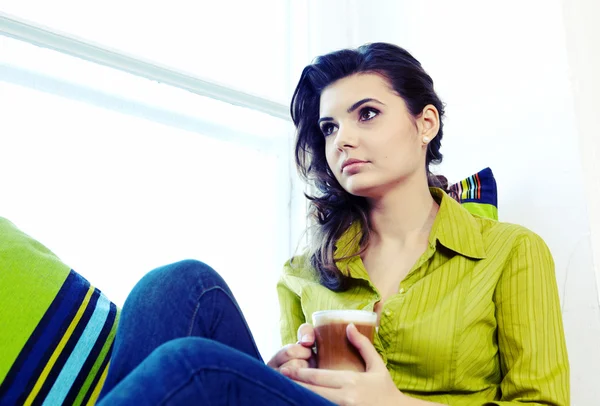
x=327, y=129
x=368, y=114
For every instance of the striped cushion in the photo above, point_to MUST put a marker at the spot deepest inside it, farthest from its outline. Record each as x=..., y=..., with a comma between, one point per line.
x=57, y=330
x=478, y=194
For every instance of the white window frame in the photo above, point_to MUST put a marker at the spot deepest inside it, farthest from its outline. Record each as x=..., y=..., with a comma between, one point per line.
x=17, y=28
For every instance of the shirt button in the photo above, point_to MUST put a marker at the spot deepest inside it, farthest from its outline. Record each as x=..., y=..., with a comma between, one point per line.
x=401, y=290
x=388, y=313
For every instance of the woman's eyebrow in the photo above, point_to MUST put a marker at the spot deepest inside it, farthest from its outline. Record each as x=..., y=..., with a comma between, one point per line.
x=361, y=102
x=353, y=107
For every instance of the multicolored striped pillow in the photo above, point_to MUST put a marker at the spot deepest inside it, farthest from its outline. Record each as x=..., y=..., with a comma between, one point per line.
x=56, y=330
x=478, y=194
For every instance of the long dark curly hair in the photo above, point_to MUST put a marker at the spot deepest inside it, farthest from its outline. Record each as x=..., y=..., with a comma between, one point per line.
x=332, y=209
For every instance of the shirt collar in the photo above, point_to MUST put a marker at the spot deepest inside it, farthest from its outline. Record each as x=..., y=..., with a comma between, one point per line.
x=346, y=250
x=455, y=228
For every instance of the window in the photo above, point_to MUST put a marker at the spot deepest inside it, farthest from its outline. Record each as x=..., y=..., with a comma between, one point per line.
x=118, y=174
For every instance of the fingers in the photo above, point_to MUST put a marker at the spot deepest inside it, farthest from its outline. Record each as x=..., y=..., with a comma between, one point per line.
x=295, y=363
x=306, y=335
x=365, y=348
x=288, y=353
x=319, y=377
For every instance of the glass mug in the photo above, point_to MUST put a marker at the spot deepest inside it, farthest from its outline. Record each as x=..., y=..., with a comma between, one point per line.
x=334, y=350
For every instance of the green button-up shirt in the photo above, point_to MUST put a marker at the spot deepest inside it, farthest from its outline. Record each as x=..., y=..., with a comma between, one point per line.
x=476, y=321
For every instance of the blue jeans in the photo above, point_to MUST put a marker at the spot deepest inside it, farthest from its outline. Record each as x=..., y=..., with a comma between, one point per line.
x=182, y=339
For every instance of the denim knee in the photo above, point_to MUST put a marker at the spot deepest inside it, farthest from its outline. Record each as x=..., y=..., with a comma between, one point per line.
x=174, y=280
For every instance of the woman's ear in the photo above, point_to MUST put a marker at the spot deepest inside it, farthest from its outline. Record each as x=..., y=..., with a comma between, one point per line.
x=428, y=123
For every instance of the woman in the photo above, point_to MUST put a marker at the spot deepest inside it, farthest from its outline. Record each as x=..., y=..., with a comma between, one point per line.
x=469, y=310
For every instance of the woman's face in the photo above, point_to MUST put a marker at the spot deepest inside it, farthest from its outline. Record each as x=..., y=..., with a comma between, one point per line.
x=364, y=121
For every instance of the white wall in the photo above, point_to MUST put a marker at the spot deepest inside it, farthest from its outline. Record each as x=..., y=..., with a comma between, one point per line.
x=583, y=48
x=503, y=70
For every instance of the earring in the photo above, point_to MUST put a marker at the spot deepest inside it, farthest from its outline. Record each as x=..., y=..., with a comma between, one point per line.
x=426, y=140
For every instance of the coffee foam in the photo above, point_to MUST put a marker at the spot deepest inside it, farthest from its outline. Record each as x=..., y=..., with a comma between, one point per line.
x=344, y=316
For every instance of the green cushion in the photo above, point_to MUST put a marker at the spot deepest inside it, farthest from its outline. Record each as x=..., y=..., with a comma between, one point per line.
x=57, y=330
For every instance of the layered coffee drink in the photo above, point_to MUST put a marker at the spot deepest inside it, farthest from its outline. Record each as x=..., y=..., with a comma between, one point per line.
x=334, y=350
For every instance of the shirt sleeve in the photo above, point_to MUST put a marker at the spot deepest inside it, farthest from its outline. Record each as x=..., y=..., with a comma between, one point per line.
x=533, y=354
x=291, y=316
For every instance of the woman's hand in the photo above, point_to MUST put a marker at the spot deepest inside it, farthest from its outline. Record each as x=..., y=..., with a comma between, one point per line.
x=299, y=355
x=373, y=387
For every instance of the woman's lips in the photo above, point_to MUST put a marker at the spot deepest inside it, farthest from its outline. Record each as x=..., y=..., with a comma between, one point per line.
x=353, y=167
